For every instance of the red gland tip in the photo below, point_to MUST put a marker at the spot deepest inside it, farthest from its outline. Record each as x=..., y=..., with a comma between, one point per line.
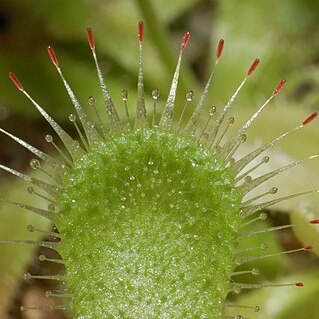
x=308, y=248
x=279, y=87
x=15, y=81
x=185, y=40
x=310, y=118
x=220, y=48
x=299, y=284
x=140, y=31
x=253, y=67
x=90, y=38
x=314, y=221
x=52, y=56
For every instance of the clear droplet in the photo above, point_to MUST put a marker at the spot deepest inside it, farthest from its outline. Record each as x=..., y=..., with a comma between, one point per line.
x=212, y=110
x=49, y=138
x=73, y=202
x=248, y=179
x=231, y=120
x=263, y=216
x=273, y=190
x=26, y=276
x=243, y=138
x=155, y=94
x=92, y=101
x=51, y=207
x=31, y=228
x=266, y=159
x=190, y=96
x=255, y=271
x=168, y=115
x=35, y=164
x=124, y=95
x=72, y=118
x=237, y=291
x=30, y=190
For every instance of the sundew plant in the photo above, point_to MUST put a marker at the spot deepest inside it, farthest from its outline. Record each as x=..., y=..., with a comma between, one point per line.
x=150, y=211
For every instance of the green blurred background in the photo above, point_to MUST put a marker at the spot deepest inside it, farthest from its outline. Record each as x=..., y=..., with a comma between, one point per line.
x=283, y=34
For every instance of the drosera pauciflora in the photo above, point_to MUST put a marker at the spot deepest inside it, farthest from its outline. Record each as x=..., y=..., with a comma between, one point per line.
x=149, y=215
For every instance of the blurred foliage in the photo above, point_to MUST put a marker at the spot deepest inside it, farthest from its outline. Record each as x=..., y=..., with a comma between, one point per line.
x=282, y=34
x=13, y=226
x=284, y=302
x=306, y=232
